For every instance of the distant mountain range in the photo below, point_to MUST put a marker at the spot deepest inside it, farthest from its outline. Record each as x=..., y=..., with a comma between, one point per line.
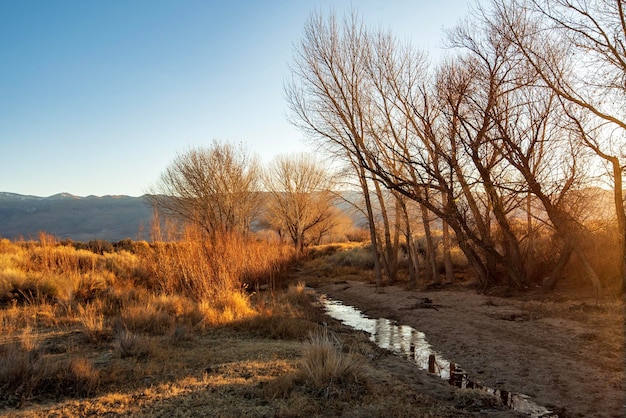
x=110, y=218
x=114, y=218
x=63, y=215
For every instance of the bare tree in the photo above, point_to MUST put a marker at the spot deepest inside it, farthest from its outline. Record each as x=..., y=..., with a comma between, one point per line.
x=486, y=87
x=431, y=141
x=578, y=48
x=301, y=203
x=532, y=137
x=215, y=187
x=364, y=96
x=409, y=240
x=467, y=144
x=325, y=97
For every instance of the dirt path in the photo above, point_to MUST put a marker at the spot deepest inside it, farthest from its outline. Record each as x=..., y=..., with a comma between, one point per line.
x=564, y=355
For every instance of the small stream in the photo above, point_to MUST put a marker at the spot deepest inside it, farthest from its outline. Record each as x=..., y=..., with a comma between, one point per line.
x=409, y=343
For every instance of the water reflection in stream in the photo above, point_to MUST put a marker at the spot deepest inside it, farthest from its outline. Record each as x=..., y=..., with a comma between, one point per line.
x=407, y=342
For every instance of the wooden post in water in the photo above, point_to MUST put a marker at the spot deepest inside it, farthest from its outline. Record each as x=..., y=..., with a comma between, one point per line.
x=431, y=363
x=456, y=376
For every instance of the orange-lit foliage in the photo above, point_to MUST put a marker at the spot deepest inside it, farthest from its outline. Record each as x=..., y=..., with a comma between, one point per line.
x=192, y=264
x=122, y=297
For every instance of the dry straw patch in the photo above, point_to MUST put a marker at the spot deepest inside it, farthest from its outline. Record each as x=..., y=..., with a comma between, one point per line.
x=206, y=268
x=92, y=320
x=167, y=330
x=26, y=372
x=107, y=297
x=324, y=364
x=128, y=344
x=230, y=307
x=284, y=315
x=147, y=317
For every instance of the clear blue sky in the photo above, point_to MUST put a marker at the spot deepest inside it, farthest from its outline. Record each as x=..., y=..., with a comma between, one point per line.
x=97, y=97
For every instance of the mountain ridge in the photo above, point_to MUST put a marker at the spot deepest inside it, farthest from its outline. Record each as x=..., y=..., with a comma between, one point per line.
x=117, y=217
x=67, y=216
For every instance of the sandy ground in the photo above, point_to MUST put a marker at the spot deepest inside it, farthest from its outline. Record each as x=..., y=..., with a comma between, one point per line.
x=568, y=365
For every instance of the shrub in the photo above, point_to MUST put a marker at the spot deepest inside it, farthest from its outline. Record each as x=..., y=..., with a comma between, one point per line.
x=180, y=334
x=79, y=377
x=286, y=315
x=10, y=278
x=74, y=376
x=91, y=285
x=13, y=319
x=24, y=373
x=130, y=345
x=29, y=287
x=97, y=246
x=297, y=295
x=146, y=319
x=16, y=369
x=228, y=307
x=93, y=323
x=360, y=257
x=205, y=268
x=323, y=363
x=123, y=265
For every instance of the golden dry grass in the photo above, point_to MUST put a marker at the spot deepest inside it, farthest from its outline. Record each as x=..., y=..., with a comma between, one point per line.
x=137, y=333
x=87, y=308
x=323, y=363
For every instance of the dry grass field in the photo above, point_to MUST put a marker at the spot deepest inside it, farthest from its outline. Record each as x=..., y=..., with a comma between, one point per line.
x=152, y=330
x=160, y=330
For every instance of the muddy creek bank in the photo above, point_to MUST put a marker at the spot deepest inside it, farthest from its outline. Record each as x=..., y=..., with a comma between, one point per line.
x=411, y=344
x=563, y=364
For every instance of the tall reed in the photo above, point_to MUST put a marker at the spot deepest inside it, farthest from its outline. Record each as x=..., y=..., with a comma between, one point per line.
x=193, y=264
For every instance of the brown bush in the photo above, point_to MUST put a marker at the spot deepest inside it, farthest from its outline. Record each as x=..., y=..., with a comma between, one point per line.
x=204, y=268
x=323, y=362
x=147, y=317
x=131, y=345
x=25, y=373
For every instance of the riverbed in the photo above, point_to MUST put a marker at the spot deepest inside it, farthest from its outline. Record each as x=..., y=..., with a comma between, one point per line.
x=564, y=355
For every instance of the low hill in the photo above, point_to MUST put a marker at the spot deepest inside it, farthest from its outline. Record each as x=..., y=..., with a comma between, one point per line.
x=63, y=215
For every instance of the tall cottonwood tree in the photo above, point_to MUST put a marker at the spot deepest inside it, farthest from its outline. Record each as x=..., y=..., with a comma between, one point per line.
x=578, y=49
x=325, y=99
x=485, y=88
x=349, y=94
x=215, y=187
x=301, y=198
x=440, y=137
x=414, y=146
x=473, y=143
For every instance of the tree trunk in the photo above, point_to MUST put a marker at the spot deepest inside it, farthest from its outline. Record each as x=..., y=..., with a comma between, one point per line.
x=410, y=247
x=620, y=213
x=431, y=260
x=396, y=239
x=447, y=258
x=591, y=274
x=570, y=230
x=477, y=264
x=550, y=283
x=531, y=263
x=514, y=264
x=378, y=276
x=389, y=251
